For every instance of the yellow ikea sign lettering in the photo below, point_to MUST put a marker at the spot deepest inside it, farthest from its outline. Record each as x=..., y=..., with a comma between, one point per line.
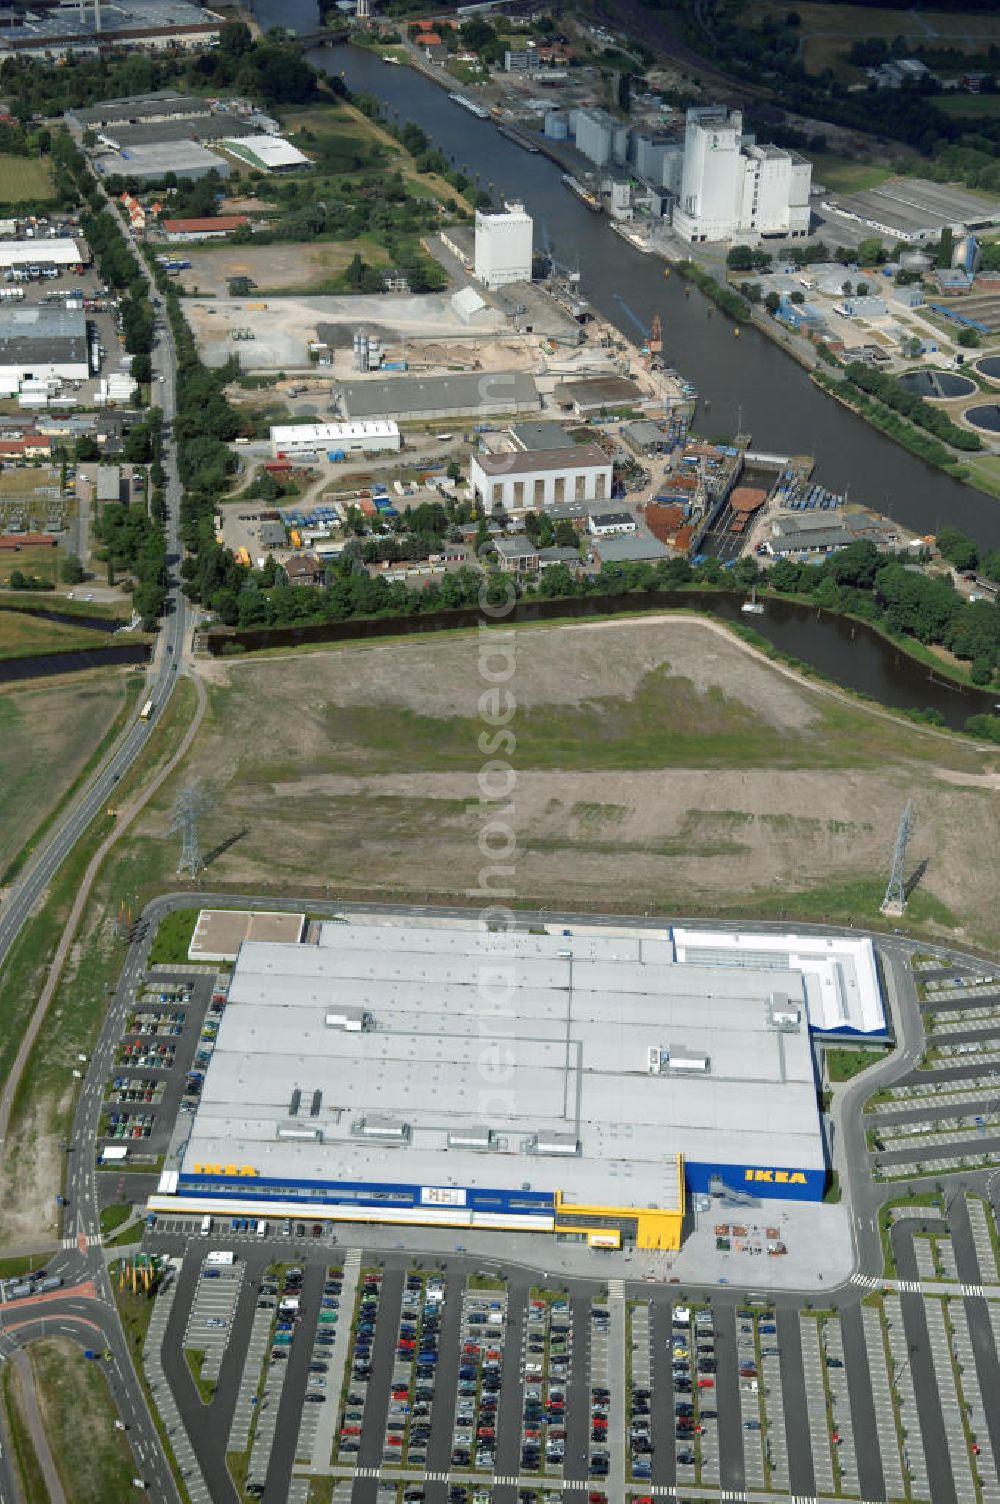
x=236, y=1170
x=776, y=1177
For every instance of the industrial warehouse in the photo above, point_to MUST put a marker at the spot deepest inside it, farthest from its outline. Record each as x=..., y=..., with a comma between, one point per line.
x=581, y=1083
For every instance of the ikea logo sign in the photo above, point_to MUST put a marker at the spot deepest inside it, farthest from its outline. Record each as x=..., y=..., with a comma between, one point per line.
x=776, y=1177
x=233, y=1171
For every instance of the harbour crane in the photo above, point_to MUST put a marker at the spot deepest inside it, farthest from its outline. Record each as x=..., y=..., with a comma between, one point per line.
x=652, y=338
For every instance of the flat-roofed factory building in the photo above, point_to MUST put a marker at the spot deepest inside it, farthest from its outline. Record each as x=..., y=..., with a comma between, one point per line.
x=371, y=1078
x=536, y=479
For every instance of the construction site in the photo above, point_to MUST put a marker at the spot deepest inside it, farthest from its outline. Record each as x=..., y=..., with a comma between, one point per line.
x=543, y=334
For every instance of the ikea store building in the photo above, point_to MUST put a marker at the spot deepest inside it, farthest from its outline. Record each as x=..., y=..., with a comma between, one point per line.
x=580, y=1083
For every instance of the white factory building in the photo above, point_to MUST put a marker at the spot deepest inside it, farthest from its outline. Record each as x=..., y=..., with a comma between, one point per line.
x=352, y=438
x=503, y=246
x=530, y=481
x=42, y=344
x=48, y=251
x=731, y=187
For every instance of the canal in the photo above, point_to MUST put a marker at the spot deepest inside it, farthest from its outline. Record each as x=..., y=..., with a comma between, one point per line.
x=48, y=665
x=748, y=380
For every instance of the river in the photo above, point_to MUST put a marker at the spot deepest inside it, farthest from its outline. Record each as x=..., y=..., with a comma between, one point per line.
x=749, y=380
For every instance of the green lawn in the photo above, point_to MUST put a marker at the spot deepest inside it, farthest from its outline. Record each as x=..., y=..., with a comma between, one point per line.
x=115, y=1216
x=24, y=180
x=196, y=1361
x=170, y=947
x=845, y=175
x=844, y=1065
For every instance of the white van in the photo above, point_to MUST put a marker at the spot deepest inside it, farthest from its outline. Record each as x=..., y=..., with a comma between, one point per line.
x=262, y=1229
x=206, y=1226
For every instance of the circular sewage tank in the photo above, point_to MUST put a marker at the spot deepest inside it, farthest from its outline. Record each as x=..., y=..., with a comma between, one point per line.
x=938, y=386
x=986, y=417
x=989, y=367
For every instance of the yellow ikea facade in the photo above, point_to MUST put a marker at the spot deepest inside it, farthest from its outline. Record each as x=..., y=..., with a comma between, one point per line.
x=604, y=1226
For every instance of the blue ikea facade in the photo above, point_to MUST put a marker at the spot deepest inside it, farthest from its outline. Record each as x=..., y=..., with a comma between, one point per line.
x=768, y=1182
x=362, y=1195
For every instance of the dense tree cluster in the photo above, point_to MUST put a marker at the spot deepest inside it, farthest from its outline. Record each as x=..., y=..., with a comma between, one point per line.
x=888, y=391
x=270, y=69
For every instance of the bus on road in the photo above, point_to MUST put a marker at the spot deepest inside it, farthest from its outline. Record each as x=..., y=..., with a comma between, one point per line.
x=146, y=713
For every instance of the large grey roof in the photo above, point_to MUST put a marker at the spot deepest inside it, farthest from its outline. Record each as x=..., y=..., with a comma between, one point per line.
x=399, y=396
x=164, y=102
x=530, y=461
x=42, y=334
x=578, y=1017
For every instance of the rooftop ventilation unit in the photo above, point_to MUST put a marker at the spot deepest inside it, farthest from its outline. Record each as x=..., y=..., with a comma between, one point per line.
x=293, y=1105
x=384, y=1130
x=785, y=1015
x=553, y=1143
x=349, y=1020
x=301, y=1130
x=316, y=1104
x=472, y=1138
x=676, y=1060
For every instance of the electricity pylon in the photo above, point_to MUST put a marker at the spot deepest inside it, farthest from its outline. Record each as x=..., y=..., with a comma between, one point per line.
x=191, y=803
x=894, y=901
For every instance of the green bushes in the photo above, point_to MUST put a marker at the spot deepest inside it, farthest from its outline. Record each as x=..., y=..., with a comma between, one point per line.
x=723, y=297
x=889, y=392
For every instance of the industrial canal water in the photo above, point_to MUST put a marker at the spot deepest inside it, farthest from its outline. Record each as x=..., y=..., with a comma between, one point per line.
x=48, y=665
x=847, y=652
x=747, y=381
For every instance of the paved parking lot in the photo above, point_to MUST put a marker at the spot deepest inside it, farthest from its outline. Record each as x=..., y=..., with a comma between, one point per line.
x=209, y=1323
x=457, y=1385
x=159, y=1062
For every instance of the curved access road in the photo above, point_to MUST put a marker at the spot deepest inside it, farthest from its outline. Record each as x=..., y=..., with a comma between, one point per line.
x=88, y=1317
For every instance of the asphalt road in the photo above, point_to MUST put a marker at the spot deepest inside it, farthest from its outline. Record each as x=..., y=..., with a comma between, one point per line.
x=99, y=792
x=96, y=1327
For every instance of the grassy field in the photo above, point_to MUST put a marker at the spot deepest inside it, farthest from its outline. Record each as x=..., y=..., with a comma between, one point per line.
x=968, y=106
x=43, y=562
x=94, y=1461
x=26, y=635
x=24, y=180
x=827, y=31
x=845, y=175
x=47, y=734
x=43, y=1105
x=653, y=761
x=27, y=1469
x=985, y=471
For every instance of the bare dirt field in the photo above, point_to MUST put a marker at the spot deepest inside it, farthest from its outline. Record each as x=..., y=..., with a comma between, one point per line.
x=658, y=765
x=298, y=268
